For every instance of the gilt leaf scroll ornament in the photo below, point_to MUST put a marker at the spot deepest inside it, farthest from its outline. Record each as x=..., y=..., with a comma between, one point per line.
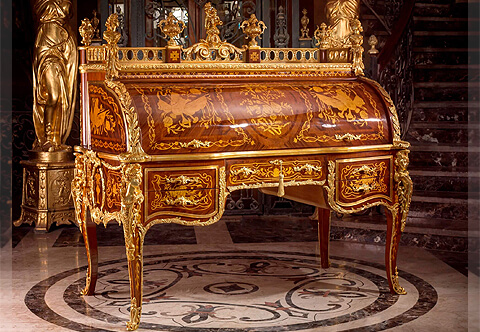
x=204, y=48
x=86, y=31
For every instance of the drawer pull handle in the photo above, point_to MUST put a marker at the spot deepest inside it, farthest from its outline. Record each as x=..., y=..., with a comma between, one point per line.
x=366, y=170
x=182, y=180
x=180, y=201
x=196, y=144
x=244, y=172
x=348, y=137
x=281, y=188
x=364, y=187
x=308, y=168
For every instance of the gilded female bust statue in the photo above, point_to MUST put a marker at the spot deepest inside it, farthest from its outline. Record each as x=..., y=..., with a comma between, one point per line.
x=339, y=14
x=54, y=75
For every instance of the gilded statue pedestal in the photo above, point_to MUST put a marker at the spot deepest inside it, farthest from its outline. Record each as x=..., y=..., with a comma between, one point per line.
x=48, y=173
x=46, y=198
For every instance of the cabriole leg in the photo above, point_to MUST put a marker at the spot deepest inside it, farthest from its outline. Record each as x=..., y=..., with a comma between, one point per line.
x=394, y=231
x=134, y=243
x=324, y=236
x=132, y=224
x=89, y=233
x=396, y=219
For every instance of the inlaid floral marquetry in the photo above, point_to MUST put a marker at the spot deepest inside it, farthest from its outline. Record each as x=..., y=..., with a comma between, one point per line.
x=269, y=171
x=364, y=178
x=186, y=191
x=239, y=117
x=106, y=123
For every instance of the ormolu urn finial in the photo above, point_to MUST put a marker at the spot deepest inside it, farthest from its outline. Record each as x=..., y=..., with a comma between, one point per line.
x=322, y=34
x=171, y=27
x=253, y=28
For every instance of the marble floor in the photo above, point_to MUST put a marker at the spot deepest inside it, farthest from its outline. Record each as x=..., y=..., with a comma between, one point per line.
x=215, y=279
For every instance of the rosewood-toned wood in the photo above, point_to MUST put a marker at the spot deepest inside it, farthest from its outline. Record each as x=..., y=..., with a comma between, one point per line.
x=258, y=116
x=324, y=236
x=391, y=246
x=89, y=232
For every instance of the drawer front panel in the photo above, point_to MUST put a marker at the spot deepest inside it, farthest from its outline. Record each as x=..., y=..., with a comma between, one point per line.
x=193, y=203
x=181, y=191
x=362, y=179
x=181, y=178
x=268, y=171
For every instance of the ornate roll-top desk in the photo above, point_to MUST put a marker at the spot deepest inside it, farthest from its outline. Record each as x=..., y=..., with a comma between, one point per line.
x=168, y=133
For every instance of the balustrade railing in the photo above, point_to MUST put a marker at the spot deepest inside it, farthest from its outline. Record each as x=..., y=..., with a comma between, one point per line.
x=393, y=65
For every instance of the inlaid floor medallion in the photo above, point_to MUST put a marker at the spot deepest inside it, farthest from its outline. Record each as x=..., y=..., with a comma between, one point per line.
x=235, y=291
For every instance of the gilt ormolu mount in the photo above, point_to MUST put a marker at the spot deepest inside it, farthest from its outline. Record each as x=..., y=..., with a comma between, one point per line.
x=169, y=132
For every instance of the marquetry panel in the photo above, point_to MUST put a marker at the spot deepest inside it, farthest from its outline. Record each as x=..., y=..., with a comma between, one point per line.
x=193, y=117
x=361, y=179
x=107, y=129
x=182, y=203
x=181, y=191
x=113, y=180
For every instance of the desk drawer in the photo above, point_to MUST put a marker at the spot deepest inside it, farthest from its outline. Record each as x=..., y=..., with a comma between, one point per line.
x=267, y=170
x=188, y=203
x=362, y=179
x=181, y=178
x=181, y=191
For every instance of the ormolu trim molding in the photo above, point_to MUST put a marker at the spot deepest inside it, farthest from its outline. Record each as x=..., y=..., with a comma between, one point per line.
x=248, y=154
